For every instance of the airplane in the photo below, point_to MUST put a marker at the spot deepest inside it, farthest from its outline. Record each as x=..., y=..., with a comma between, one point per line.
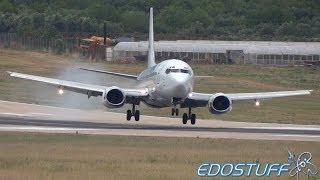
x=166, y=84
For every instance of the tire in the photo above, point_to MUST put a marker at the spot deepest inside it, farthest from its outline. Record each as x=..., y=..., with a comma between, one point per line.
x=137, y=115
x=193, y=119
x=172, y=112
x=184, y=118
x=177, y=112
x=128, y=115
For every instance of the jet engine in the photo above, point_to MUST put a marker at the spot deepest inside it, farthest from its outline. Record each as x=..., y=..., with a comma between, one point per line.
x=219, y=103
x=113, y=98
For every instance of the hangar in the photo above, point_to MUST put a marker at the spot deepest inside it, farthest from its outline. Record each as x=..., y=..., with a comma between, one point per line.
x=240, y=52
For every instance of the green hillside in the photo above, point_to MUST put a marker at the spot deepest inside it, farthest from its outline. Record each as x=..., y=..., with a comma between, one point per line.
x=292, y=20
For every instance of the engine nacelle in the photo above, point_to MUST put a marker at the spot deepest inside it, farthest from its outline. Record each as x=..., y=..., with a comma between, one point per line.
x=219, y=103
x=113, y=98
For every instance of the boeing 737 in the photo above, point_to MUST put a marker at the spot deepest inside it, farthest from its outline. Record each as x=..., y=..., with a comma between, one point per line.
x=166, y=84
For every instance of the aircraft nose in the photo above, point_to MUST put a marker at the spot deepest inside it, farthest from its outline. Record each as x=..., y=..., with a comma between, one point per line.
x=180, y=85
x=180, y=79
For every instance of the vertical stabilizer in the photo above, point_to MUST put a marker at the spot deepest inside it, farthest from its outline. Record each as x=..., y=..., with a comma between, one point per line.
x=151, y=57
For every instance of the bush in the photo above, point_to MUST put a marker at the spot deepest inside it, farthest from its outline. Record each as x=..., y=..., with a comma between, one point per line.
x=59, y=46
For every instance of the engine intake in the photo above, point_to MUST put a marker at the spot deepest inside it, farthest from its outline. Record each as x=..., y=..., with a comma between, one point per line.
x=219, y=103
x=113, y=98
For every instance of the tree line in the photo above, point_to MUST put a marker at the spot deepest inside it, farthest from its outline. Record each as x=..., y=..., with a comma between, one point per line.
x=289, y=20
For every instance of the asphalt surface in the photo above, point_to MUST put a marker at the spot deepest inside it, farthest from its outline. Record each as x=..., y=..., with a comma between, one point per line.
x=36, y=118
x=23, y=121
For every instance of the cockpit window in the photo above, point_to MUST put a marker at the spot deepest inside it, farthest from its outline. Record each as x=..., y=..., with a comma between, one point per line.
x=186, y=71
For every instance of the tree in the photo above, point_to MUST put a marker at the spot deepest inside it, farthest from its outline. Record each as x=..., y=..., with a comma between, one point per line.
x=113, y=27
x=73, y=23
x=196, y=28
x=225, y=19
x=57, y=21
x=286, y=29
x=175, y=17
x=7, y=21
x=6, y=6
x=135, y=21
x=303, y=30
x=265, y=29
x=38, y=20
x=24, y=24
x=89, y=25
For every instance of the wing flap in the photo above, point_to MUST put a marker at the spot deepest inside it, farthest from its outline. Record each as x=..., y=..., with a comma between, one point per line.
x=267, y=95
x=89, y=89
x=69, y=85
x=201, y=99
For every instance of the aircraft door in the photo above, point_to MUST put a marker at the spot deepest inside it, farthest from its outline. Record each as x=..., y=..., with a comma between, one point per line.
x=161, y=76
x=158, y=78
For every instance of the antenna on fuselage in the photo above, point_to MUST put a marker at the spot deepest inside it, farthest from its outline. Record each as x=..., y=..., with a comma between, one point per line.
x=151, y=57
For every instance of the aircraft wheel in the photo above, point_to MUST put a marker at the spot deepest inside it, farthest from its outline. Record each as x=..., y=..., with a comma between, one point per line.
x=177, y=112
x=128, y=115
x=184, y=118
x=172, y=112
x=193, y=119
x=137, y=115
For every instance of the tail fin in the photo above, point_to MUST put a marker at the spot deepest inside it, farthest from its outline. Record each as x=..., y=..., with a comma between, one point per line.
x=151, y=57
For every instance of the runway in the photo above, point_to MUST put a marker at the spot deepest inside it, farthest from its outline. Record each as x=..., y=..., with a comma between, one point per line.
x=36, y=118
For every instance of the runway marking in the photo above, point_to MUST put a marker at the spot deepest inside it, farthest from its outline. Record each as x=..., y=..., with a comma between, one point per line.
x=296, y=135
x=45, y=128
x=41, y=114
x=25, y=114
x=285, y=128
x=13, y=114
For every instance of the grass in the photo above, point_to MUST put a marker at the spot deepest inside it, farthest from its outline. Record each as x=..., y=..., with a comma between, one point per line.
x=226, y=78
x=76, y=156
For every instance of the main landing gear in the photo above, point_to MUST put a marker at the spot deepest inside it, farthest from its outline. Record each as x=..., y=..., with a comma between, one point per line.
x=133, y=112
x=186, y=117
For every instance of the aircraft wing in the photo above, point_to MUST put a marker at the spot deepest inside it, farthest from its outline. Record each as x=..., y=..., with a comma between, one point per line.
x=201, y=99
x=89, y=89
x=111, y=73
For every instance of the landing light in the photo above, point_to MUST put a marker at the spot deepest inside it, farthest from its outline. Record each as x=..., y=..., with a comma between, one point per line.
x=257, y=103
x=60, y=91
x=145, y=91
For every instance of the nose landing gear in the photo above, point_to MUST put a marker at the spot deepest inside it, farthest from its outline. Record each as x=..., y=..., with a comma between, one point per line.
x=175, y=110
x=186, y=117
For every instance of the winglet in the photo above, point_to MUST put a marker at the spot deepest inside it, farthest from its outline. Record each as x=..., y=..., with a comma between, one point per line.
x=151, y=57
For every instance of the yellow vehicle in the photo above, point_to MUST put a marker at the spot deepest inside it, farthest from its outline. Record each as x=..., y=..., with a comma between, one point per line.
x=88, y=46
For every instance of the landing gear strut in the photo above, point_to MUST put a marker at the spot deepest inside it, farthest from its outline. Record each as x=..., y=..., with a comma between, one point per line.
x=186, y=117
x=134, y=112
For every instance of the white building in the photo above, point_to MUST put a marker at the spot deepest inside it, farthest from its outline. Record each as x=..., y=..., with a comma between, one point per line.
x=245, y=52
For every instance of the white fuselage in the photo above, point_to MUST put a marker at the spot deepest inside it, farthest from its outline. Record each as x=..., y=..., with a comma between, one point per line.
x=167, y=82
